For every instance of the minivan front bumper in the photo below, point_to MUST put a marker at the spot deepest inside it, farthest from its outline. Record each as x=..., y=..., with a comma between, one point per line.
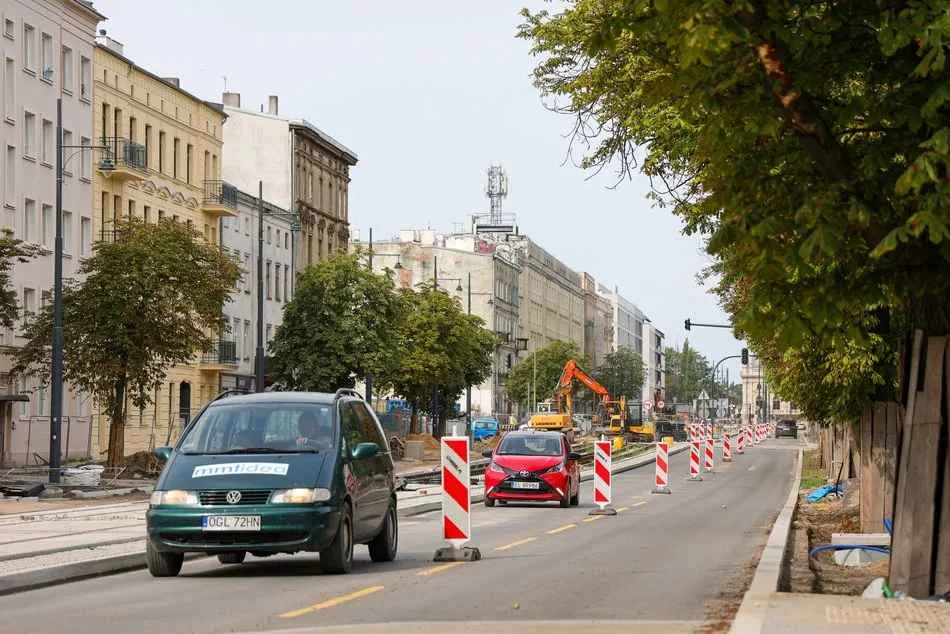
x=285, y=528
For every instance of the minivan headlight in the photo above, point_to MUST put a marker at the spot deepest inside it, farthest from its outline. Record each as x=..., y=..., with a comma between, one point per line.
x=174, y=497
x=299, y=496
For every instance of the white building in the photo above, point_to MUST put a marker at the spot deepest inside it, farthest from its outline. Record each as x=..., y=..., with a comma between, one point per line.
x=654, y=363
x=46, y=53
x=239, y=238
x=756, y=393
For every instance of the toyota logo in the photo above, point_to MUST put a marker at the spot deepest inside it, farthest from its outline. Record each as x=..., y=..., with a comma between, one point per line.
x=233, y=497
x=524, y=474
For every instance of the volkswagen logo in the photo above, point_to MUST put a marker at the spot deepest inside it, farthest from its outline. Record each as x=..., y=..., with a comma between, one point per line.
x=233, y=497
x=524, y=474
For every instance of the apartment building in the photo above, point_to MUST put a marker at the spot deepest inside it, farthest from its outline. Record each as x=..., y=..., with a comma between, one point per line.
x=304, y=170
x=598, y=323
x=239, y=238
x=160, y=158
x=46, y=53
x=551, y=298
x=654, y=363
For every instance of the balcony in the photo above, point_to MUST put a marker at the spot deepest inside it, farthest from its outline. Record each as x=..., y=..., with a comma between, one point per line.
x=220, y=199
x=221, y=356
x=123, y=160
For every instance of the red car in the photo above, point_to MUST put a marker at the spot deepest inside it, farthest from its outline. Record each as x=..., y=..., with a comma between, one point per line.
x=536, y=466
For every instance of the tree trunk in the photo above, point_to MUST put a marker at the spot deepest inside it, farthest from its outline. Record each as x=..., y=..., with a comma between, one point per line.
x=117, y=427
x=414, y=420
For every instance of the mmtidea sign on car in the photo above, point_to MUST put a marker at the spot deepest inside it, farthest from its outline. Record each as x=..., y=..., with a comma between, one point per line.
x=240, y=468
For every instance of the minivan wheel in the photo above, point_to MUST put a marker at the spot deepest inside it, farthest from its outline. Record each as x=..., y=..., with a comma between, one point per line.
x=232, y=558
x=163, y=564
x=337, y=558
x=383, y=547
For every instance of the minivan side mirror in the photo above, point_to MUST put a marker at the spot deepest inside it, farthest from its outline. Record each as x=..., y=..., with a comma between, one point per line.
x=487, y=453
x=365, y=450
x=162, y=453
x=573, y=455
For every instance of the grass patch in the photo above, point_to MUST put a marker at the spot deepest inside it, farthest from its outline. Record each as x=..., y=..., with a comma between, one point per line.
x=813, y=476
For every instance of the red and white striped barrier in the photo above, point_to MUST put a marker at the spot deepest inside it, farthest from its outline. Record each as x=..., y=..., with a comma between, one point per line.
x=694, y=470
x=661, y=483
x=740, y=442
x=726, y=447
x=710, y=452
x=456, y=493
x=602, y=463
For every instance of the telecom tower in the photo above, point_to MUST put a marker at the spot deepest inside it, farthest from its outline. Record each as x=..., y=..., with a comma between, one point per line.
x=495, y=222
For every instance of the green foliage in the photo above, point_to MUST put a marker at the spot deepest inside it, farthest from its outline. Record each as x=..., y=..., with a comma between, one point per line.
x=808, y=142
x=338, y=328
x=622, y=374
x=145, y=302
x=687, y=374
x=12, y=251
x=441, y=349
x=541, y=369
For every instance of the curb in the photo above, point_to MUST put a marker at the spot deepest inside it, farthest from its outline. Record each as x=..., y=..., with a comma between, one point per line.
x=751, y=615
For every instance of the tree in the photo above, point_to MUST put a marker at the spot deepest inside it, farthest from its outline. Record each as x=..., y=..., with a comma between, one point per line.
x=442, y=350
x=538, y=373
x=807, y=142
x=145, y=302
x=687, y=374
x=339, y=327
x=12, y=251
x=622, y=374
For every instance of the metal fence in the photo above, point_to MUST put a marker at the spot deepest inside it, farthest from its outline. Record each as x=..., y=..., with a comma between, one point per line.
x=29, y=440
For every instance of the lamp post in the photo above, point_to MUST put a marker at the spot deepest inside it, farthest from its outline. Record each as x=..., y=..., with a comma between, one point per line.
x=369, y=377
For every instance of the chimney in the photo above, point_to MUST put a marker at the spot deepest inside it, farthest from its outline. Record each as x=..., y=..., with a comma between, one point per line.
x=231, y=99
x=105, y=41
x=272, y=105
x=174, y=81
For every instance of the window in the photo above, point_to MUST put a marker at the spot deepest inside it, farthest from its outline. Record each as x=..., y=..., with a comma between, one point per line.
x=176, y=147
x=29, y=134
x=189, y=152
x=286, y=241
x=67, y=232
x=147, y=213
x=46, y=56
x=286, y=285
x=268, y=235
x=46, y=152
x=29, y=47
x=29, y=220
x=85, y=78
x=131, y=209
x=9, y=180
x=277, y=282
x=47, y=226
x=85, y=154
x=161, y=152
x=148, y=145
x=29, y=302
x=66, y=64
x=85, y=236
x=133, y=128
x=267, y=280
x=9, y=90
x=207, y=165
x=369, y=429
x=9, y=28
x=247, y=226
x=67, y=142
x=267, y=333
x=247, y=339
x=238, y=341
x=161, y=214
x=247, y=273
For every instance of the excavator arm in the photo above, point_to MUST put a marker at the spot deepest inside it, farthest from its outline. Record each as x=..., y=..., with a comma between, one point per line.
x=566, y=383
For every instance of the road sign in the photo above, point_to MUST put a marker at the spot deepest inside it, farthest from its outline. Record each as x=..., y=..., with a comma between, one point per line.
x=456, y=496
x=720, y=413
x=647, y=405
x=703, y=396
x=660, y=404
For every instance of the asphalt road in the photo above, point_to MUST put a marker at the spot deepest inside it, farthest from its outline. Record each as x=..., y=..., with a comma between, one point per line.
x=668, y=558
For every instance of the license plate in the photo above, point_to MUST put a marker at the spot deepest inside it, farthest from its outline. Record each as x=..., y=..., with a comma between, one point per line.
x=525, y=485
x=231, y=523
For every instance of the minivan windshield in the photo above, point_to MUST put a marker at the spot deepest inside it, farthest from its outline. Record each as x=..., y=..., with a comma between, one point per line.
x=528, y=445
x=261, y=428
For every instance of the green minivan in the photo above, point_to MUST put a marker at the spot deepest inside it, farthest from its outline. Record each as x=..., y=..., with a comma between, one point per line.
x=275, y=472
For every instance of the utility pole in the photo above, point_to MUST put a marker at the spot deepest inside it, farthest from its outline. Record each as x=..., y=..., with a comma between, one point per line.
x=56, y=372
x=369, y=376
x=260, y=288
x=468, y=388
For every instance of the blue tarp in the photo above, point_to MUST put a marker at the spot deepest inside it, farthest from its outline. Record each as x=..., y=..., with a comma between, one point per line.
x=821, y=492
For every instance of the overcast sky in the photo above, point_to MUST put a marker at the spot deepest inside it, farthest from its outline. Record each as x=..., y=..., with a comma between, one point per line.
x=429, y=93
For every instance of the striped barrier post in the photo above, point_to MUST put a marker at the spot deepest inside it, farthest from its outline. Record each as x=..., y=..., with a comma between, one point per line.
x=456, y=501
x=740, y=442
x=710, y=452
x=726, y=447
x=661, y=483
x=603, y=459
x=694, y=470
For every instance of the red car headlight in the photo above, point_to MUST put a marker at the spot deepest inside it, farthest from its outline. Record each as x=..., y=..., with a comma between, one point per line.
x=558, y=468
x=496, y=468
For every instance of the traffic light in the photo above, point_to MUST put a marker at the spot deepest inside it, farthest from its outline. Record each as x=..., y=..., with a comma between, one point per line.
x=745, y=356
x=688, y=324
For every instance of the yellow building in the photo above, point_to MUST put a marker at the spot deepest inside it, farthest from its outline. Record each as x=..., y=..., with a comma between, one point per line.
x=164, y=161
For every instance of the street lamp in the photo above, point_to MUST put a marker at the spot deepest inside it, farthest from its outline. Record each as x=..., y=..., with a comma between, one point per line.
x=369, y=377
x=56, y=369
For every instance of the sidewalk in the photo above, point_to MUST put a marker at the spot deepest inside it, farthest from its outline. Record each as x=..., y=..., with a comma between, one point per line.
x=46, y=547
x=835, y=614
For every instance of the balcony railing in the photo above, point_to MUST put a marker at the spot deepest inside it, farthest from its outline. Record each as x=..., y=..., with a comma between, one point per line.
x=221, y=353
x=122, y=153
x=220, y=193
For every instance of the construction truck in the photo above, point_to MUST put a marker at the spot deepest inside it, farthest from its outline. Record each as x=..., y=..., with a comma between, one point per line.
x=557, y=414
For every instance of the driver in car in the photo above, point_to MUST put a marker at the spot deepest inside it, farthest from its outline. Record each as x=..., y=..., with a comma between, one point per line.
x=313, y=432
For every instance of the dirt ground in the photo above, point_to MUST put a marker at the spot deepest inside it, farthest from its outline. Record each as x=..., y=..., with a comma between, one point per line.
x=812, y=526
x=12, y=507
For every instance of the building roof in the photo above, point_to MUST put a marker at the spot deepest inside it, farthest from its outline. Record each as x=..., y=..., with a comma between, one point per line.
x=86, y=5
x=322, y=136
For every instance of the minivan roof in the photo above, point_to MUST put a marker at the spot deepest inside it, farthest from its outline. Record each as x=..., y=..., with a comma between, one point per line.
x=321, y=398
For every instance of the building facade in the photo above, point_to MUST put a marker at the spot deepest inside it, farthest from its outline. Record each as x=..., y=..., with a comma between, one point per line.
x=551, y=299
x=654, y=364
x=598, y=323
x=485, y=280
x=160, y=159
x=239, y=239
x=304, y=170
x=756, y=392
x=46, y=53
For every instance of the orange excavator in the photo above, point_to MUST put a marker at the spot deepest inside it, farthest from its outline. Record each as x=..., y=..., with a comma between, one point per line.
x=557, y=414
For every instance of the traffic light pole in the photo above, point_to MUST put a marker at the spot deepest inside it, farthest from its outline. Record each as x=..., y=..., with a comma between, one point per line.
x=689, y=324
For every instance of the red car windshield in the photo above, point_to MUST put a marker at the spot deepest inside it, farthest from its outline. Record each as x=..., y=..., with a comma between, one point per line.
x=524, y=445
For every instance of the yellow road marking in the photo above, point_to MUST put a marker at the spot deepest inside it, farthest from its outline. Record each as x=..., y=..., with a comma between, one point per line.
x=623, y=508
x=435, y=569
x=562, y=529
x=517, y=543
x=594, y=518
x=329, y=603
x=640, y=503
